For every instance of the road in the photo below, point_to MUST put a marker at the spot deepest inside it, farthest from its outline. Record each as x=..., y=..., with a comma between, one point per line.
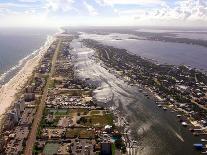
x=38, y=116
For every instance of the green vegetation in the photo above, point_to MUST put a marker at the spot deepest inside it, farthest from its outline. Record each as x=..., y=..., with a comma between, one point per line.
x=36, y=150
x=96, y=120
x=95, y=112
x=51, y=148
x=80, y=111
x=44, y=123
x=80, y=132
x=59, y=112
x=120, y=145
x=51, y=83
x=113, y=148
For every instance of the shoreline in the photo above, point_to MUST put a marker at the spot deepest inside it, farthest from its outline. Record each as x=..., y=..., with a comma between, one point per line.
x=9, y=90
x=8, y=74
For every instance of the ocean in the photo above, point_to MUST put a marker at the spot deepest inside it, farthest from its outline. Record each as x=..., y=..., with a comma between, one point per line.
x=17, y=45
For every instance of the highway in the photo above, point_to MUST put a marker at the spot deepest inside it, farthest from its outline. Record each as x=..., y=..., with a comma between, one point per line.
x=38, y=116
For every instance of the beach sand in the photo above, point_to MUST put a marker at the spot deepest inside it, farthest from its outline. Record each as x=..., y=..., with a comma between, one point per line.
x=9, y=90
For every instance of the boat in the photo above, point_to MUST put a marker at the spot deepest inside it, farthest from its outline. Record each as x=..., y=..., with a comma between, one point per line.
x=159, y=105
x=198, y=146
x=203, y=140
x=205, y=152
x=184, y=123
x=178, y=116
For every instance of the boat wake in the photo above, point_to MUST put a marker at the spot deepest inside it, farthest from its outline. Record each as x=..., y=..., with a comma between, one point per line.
x=178, y=135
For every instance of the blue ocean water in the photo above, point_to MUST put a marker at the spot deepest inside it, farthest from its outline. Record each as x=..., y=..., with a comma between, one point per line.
x=17, y=43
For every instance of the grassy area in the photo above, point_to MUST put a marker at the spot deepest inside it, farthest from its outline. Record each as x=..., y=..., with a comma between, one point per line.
x=51, y=148
x=79, y=132
x=95, y=112
x=97, y=120
x=86, y=134
x=59, y=112
x=80, y=111
x=44, y=122
x=51, y=83
x=113, y=149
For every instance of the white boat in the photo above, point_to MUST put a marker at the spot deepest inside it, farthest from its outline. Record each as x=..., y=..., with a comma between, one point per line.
x=203, y=140
x=178, y=116
x=159, y=105
x=205, y=152
x=184, y=123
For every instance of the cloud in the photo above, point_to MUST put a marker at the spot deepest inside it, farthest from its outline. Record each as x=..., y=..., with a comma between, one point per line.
x=13, y=5
x=184, y=10
x=113, y=12
x=92, y=11
x=28, y=1
x=124, y=2
x=59, y=5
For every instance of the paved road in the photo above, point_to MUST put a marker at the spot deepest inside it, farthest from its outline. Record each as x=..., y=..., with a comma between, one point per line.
x=38, y=116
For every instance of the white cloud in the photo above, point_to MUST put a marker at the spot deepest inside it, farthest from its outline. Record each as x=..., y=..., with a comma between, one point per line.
x=28, y=1
x=92, y=11
x=184, y=12
x=123, y=2
x=59, y=5
x=13, y=5
x=51, y=12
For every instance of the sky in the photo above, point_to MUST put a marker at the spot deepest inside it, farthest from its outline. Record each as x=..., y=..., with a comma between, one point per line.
x=55, y=13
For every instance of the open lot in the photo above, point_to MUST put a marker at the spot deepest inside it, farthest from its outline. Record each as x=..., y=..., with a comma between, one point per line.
x=96, y=120
x=83, y=133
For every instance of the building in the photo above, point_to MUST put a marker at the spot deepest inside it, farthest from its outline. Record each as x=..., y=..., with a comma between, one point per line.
x=28, y=97
x=19, y=106
x=106, y=149
x=13, y=116
x=30, y=89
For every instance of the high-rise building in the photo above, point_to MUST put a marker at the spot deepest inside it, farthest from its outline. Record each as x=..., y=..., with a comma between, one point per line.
x=13, y=116
x=19, y=106
x=28, y=97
